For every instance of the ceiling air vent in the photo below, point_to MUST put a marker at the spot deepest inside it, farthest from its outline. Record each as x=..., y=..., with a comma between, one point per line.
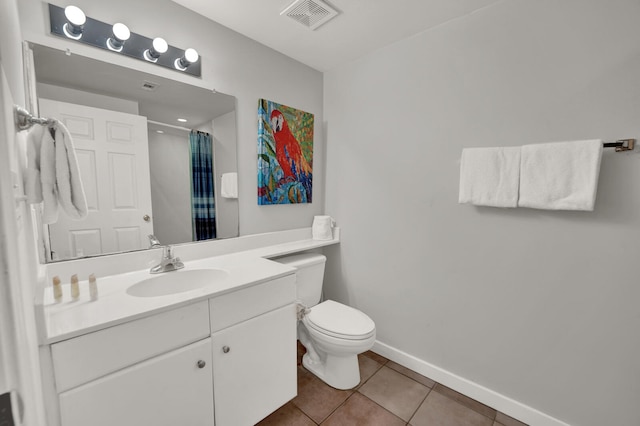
x=150, y=86
x=310, y=13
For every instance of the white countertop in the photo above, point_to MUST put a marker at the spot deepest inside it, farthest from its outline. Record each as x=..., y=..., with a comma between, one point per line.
x=114, y=306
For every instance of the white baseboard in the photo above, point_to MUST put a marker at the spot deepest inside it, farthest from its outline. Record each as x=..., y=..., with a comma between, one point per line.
x=501, y=403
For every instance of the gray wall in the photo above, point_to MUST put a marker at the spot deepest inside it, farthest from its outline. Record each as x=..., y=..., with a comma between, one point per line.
x=231, y=64
x=225, y=158
x=170, y=172
x=542, y=307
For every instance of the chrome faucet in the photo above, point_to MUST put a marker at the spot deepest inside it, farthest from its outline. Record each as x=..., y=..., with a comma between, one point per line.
x=168, y=262
x=153, y=241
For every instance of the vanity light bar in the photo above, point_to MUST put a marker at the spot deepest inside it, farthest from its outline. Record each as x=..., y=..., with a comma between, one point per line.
x=99, y=34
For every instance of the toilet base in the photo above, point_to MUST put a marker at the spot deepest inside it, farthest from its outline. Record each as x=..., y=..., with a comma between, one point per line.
x=340, y=372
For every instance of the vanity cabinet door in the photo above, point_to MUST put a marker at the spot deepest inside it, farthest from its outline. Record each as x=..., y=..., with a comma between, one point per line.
x=168, y=390
x=254, y=367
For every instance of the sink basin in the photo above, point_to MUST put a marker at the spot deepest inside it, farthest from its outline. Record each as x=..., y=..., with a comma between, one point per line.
x=176, y=282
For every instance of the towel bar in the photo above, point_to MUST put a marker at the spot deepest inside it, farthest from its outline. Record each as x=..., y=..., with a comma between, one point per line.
x=621, y=145
x=24, y=119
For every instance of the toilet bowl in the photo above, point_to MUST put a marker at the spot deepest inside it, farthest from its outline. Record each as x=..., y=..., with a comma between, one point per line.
x=335, y=342
x=333, y=334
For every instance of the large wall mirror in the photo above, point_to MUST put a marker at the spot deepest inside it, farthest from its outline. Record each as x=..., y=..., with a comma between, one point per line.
x=137, y=138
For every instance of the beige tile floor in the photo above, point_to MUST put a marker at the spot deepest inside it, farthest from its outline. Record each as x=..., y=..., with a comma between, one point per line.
x=388, y=395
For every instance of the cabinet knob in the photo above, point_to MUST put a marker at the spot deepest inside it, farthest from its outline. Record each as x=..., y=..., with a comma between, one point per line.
x=226, y=349
x=201, y=364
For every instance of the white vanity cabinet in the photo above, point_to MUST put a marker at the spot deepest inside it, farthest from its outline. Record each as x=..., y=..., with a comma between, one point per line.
x=170, y=389
x=151, y=371
x=229, y=361
x=254, y=351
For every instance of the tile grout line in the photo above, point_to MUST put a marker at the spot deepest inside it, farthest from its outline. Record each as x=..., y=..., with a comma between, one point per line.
x=393, y=414
x=336, y=409
x=420, y=405
x=356, y=390
x=405, y=375
x=305, y=414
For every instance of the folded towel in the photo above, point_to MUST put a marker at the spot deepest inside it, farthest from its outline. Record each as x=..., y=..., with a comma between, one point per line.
x=70, y=191
x=229, y=185
x=561, y=175
x=489, y=176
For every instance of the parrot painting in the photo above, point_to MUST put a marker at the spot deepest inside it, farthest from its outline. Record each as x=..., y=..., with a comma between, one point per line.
x=289, y=154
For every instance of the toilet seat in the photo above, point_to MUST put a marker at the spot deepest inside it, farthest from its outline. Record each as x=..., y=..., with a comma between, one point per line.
x=340, y=321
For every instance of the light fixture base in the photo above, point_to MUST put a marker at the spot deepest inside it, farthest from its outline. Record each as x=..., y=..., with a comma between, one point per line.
x=96, y=33
x=148, y=57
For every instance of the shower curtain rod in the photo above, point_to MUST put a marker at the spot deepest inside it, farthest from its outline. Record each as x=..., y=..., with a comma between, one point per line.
x=172, y=126
x=169, y=125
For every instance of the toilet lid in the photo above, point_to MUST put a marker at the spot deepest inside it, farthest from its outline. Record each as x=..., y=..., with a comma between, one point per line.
x=338, y=320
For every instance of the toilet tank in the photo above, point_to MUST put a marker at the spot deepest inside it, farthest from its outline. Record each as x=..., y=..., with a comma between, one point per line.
x=309, y=275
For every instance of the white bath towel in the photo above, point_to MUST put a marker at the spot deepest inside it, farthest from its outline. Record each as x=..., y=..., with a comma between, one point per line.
x=490, y=176
x=33, y=183
x=48, y=177
x=561, y=175
x=229, y=185
x=53, y=176
x=69, y=183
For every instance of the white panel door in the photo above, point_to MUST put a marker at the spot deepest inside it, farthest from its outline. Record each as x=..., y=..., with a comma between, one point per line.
x=168, y=390
x=113, y=155
x=255, y=369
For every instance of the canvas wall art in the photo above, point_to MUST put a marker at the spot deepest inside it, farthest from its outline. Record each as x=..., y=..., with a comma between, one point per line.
x=285, y=154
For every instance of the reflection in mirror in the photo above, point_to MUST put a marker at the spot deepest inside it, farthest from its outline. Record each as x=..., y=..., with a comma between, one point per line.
x=152, y=154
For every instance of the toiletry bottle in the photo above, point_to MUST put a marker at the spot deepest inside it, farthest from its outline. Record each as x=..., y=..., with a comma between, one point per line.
x=93, y=287
x=57, y=289
x=75, y=288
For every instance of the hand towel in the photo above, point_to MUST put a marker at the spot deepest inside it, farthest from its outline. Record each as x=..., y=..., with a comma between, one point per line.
x=33, y=183
x=69, y=183
x=560, y=175
x=48, y=177
x=490, y=176
x=229, y=185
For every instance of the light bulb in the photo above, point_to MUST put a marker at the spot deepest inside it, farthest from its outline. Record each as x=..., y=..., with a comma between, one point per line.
x=76, y=20
x=121, y=34
x=75, y=15
x=158, y=47
x=121, y=31
x=190, y=56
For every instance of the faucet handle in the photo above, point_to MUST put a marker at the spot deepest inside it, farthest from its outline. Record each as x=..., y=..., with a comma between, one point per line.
x=168, y=262
x=153, y=241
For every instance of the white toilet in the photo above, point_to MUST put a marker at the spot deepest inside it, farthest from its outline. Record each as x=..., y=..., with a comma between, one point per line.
x=333, y=334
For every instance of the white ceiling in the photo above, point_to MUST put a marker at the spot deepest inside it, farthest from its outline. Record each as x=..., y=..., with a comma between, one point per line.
x=361, y=27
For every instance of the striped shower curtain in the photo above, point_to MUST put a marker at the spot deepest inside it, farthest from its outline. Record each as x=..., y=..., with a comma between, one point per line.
x=203, y=209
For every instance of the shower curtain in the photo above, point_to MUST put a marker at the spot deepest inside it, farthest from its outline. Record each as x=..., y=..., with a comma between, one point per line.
x=203, y=209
